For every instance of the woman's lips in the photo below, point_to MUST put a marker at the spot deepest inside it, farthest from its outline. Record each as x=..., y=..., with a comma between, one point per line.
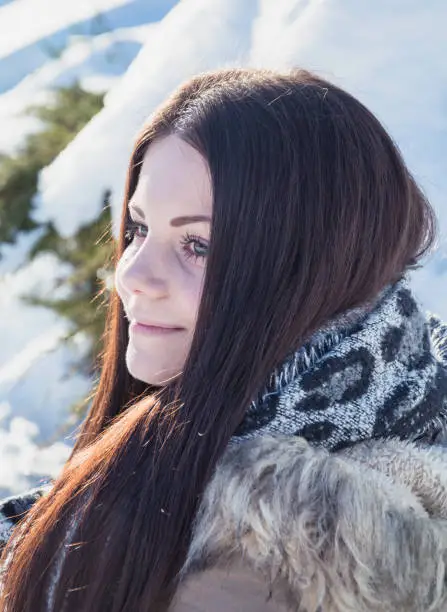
x=153, y=330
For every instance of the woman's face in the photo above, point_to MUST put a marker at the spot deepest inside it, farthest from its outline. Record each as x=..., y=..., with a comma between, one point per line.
x=160, y=275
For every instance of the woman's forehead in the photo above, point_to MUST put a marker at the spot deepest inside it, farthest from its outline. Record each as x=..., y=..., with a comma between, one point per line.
x=174, y=172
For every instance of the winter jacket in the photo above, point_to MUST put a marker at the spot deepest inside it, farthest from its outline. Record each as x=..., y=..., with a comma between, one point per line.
x=286, y=526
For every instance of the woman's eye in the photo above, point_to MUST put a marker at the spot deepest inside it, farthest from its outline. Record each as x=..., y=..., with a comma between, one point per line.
x=133, y=229
x=194, y=246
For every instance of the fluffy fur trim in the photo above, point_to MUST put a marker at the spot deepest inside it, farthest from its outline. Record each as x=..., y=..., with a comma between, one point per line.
x=361, y=530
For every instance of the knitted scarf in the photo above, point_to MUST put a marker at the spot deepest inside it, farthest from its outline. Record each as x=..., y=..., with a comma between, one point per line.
x=375, y=372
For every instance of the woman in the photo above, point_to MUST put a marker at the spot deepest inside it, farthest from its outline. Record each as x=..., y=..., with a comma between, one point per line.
x=268, y=426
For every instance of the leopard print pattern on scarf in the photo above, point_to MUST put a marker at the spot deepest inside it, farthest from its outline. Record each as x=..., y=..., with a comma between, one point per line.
x=384, y=375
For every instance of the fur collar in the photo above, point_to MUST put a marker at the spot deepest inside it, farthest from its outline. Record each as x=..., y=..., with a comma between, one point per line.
x=360, y=530
x=363, y=530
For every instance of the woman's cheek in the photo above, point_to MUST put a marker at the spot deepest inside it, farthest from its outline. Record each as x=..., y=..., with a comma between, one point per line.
x=118, y=281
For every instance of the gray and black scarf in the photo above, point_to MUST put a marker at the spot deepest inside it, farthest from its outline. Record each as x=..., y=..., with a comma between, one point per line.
x=375, y=372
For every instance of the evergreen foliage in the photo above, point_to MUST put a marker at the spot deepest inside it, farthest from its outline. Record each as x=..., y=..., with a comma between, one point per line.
x=70, y=110
x=89, y=251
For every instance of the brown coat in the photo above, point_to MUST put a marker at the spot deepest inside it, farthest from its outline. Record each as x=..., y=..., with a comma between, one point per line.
x=361, y=530
x=284, y=526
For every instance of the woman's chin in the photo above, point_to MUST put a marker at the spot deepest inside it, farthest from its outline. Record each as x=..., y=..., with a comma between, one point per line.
x=151, y=374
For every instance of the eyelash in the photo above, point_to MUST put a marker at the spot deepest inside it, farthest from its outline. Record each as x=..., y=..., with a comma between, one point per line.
x=131, y=230
x=187, y=239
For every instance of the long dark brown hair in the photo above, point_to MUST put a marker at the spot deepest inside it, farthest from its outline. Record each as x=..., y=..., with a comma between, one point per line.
x=314, y=212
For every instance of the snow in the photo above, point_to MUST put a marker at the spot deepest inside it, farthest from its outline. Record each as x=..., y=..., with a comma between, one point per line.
x=390, y=55
x=23, y=461
x=40, y=18
x=13, y=255
x=37, y=386
x=33, y=362
x=38, y=383
x=97, y=63
x=56, y=23
x=93, y=42
x=220, y=28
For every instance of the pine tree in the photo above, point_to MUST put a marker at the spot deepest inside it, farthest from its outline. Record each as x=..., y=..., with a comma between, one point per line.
x=90, y=250
x=89, y=253
x=70, y=110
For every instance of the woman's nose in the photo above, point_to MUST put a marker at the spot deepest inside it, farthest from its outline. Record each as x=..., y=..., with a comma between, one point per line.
x=146, y=272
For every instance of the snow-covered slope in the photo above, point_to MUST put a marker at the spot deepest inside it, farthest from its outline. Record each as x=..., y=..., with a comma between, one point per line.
x=48, y=43
x=31, y=30
x=96, y=62
x=389, y=54
x=45, y=44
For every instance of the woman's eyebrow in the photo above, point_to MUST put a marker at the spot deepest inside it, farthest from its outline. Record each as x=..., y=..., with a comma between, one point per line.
x=177, y=221
x=136, y=209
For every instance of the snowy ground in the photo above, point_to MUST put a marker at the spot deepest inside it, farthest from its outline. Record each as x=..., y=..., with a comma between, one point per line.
x=389, y=54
